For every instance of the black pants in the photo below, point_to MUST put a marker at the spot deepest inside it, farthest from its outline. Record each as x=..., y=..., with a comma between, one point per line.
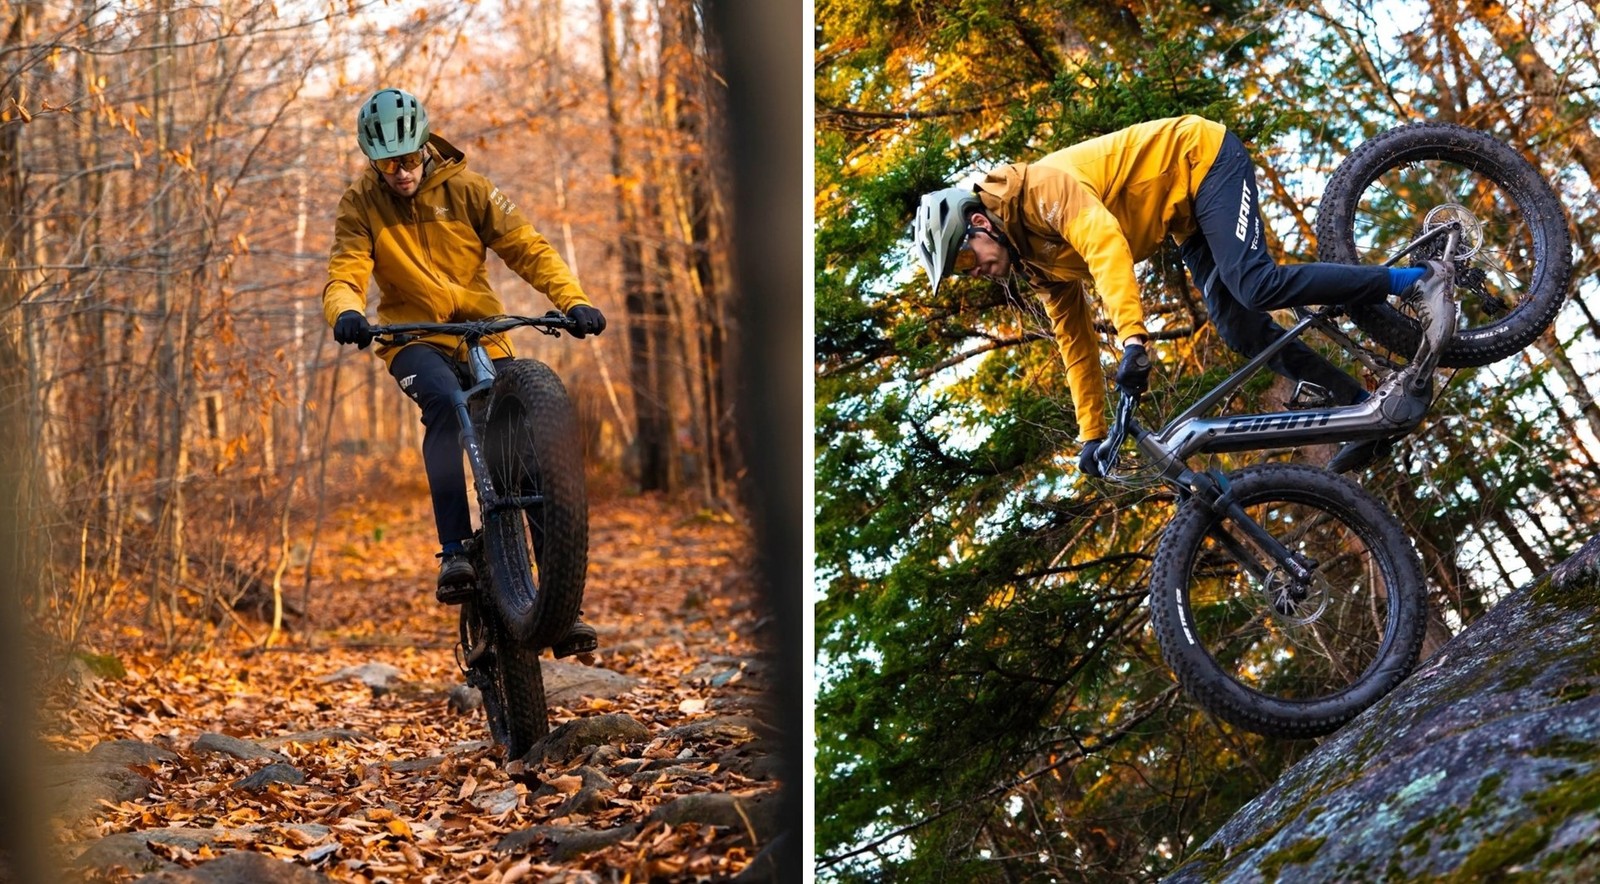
x=430, y=377
x=1228, y=259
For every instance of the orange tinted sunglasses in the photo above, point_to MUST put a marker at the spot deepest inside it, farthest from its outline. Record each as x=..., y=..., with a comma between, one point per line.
x=966, y=258
x=391, y=165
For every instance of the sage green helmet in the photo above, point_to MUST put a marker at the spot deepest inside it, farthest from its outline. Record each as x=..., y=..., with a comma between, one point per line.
x=940, y=228
x=391, y=123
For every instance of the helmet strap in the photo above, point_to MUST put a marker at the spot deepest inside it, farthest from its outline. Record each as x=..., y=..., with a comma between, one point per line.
x=1000, y=237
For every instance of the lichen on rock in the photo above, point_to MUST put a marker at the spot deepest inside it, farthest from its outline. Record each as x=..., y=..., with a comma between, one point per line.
x=1484, y=761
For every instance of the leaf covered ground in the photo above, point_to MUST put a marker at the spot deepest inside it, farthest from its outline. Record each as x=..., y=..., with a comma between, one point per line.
x=367, y=767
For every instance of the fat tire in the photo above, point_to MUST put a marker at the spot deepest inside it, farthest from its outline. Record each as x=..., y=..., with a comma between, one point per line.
x=1208, y=682
x=509, y=679
x=532, y=446
x=1488, y=156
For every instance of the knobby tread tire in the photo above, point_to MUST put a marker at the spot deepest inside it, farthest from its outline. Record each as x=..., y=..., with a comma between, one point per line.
x=532, y=445
x=1208, y=683
x=520, y=682
x=1486, y=155
x=510, y=680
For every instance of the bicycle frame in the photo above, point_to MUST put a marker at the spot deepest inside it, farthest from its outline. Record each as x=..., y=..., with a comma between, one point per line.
x=482, y=377
x=1397, y=406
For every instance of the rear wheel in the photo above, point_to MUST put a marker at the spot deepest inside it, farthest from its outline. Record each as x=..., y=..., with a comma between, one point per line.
x=533, y=450
x=507, y=675
x=1272, y=653
x=1402, y=183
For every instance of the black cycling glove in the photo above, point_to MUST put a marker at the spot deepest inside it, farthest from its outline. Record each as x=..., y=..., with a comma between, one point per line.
x=586, y=321
x=1133, y=375
x=351, y=328
x=1087, y=462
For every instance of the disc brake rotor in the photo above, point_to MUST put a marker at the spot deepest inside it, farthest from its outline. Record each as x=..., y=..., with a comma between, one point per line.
x=1296, y=603
x=1454, y=213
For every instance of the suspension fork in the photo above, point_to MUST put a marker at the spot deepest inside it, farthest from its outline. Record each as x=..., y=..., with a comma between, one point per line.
x=1212, y=490
x=488, y=498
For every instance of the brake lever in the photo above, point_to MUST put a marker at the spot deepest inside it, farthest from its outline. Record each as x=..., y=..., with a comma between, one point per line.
x=1110, y=451
x=554, y=331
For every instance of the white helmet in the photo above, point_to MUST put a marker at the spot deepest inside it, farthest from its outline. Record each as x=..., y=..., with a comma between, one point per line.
x=940, y=228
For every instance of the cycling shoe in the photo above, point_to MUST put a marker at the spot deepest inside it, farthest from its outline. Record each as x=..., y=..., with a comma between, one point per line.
x=1430, y=297
x=457, y=579
x=580, y=639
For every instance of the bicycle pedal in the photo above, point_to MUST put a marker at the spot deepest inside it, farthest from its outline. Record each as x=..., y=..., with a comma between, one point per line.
x=1309, y=395
x=580, y=639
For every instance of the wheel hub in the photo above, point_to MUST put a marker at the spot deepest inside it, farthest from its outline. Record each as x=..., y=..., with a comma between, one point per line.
x=1297, y=601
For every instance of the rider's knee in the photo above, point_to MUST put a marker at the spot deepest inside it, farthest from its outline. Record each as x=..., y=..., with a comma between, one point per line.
x=1265, y=287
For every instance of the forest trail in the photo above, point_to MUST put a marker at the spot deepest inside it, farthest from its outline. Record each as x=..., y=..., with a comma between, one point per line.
x=345, y=748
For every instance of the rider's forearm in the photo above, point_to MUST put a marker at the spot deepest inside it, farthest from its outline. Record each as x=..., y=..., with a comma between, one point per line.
x=1073, y=327
x=1099, y=240
x=349, y=261
x=532, y=257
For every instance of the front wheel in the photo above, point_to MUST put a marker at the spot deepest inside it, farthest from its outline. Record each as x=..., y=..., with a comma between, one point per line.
x=1272, y=653
x=1403, y=183
x=534, y=452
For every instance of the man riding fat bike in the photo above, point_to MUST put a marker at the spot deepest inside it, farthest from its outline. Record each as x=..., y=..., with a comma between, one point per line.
x=1090, y=212
x=419, y=222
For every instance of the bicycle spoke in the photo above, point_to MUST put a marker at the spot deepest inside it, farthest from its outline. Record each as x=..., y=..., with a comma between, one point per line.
x=1255, y=622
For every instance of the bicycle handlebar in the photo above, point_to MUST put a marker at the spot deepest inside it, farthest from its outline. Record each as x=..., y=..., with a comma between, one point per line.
x=552, y=323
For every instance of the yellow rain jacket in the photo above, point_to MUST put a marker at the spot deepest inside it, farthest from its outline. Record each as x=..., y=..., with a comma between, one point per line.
x=427, y=251
x=1088, y=213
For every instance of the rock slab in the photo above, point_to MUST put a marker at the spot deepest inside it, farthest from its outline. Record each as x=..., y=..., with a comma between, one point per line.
x=1485, y=761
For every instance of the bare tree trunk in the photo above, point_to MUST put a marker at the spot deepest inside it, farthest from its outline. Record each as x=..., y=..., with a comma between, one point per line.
x=19, y=550
x=553, y=40
x=1576, y=387
x=18, y=490
x=645, y=310
x=687, y=115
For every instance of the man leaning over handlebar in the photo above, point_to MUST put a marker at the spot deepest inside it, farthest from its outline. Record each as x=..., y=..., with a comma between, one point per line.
x=1091, y=211
x=419, y=222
